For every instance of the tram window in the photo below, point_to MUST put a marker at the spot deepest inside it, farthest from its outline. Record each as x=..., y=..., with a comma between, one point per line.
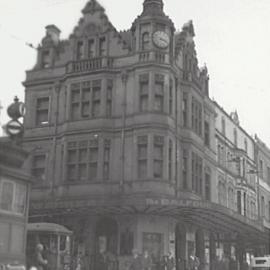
x=6, y=197
x=63, y=239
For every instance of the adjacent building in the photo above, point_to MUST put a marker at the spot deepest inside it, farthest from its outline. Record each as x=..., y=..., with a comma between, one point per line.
x=128, y=150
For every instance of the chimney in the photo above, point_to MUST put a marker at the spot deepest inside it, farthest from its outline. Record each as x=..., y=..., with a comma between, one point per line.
x=54, y=33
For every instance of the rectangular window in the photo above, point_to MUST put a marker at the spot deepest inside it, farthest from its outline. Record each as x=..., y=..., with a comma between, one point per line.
x=185, y=109
x=91, y=48
x=106, y=159
x=196, y=116
x=185, y=169
x=159, y=93
x=262, y=206
x=75, y=101
x=142, y=157
x=196, y=164
x=171, y=97
x=13, y=197
x=80, y=50
x=42, y=111
x=39, y=166
x=85, y=100
x=207, y=185
x=170, y=161
x=45, y=59
x=158, y=156
x=144, y=92
x=109, y=98
x=268, y=175
x=102, y=46
x=206, y=133
x=96, y=98
x=93, y=160
x=239, y=202
x=20, y=198
x=82, y=161
x=7, y=196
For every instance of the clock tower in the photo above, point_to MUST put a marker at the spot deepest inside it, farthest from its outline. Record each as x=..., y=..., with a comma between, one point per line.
x=153, y=31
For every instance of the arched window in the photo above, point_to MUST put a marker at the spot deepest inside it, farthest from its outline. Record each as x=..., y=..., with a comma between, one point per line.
x=231, y=198
x=145, y=41
x=246, y=145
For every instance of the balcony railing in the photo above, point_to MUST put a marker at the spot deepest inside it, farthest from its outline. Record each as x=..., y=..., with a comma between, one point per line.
x=157, y=57
x=89, y=64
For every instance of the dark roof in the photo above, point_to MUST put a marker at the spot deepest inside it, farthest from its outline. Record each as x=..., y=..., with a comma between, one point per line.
x=47, y=227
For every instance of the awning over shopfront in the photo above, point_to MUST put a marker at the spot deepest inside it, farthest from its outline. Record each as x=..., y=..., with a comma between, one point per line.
x=208, y=215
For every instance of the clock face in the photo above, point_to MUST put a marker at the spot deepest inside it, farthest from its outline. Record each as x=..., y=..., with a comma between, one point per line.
x=161, y=39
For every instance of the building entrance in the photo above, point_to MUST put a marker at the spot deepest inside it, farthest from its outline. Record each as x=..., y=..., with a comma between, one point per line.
x=106, y=244
x=180, y=247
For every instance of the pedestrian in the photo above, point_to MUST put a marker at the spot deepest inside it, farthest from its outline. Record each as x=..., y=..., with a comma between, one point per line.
x=41, y=261
x=136, y=262
x=193, y=262
x=146, y=261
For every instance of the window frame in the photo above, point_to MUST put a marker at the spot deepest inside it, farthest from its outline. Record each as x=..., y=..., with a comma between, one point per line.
x=15, y=185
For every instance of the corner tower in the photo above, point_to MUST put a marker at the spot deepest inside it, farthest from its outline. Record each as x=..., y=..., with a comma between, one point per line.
x=153, y=30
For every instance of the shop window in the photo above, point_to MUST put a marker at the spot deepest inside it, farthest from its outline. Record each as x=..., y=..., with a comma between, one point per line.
x=42, y=111
x=145, y=41
x=106, y=159
x=126, y=242
x=185, y=109
x=80, y=50
x=158, y=156
x=144, y=92
x=196, y=117
x=82, y=160
x=109, y=98
x=39, y=166
x=142, y=157
x=159, y=93
x=102, y=46
x=154, y=244
x=91, y=48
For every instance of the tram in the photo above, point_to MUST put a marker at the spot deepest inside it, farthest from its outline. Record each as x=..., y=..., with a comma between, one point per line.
x=56, y=240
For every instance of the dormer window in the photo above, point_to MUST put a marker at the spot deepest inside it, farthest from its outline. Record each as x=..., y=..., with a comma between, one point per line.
x=145, y=41
x=102, y=46
x=46, y=59
x=80, y=50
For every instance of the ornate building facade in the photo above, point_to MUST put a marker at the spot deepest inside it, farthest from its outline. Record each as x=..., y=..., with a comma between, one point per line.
x=123, y=136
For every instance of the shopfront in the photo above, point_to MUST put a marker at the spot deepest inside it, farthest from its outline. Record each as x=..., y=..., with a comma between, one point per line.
x=184, y=228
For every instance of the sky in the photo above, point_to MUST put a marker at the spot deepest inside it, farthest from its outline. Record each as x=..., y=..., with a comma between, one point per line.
x=232, y=38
